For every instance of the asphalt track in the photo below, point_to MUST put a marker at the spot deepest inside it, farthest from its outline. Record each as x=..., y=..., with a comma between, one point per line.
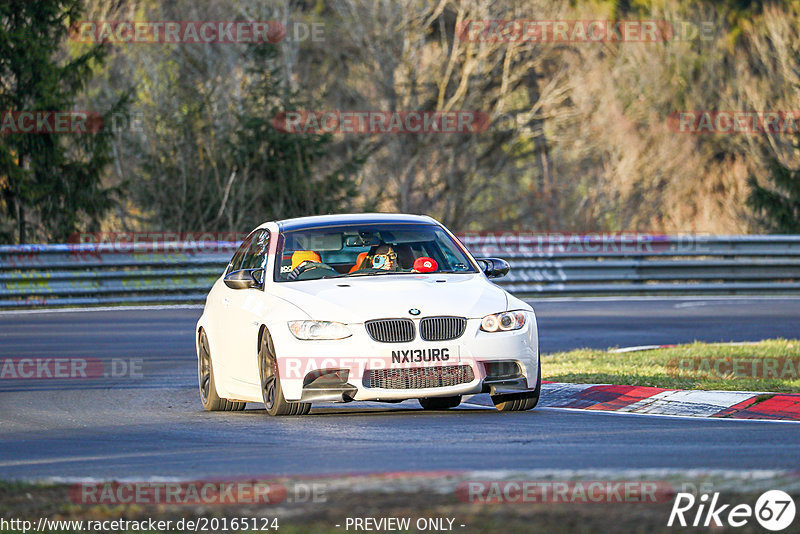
x=153, y=425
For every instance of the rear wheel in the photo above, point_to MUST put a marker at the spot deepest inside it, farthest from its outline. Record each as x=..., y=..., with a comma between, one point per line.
x=271, y=389
x=440, y=403
x=520, y=402
x=208, y=389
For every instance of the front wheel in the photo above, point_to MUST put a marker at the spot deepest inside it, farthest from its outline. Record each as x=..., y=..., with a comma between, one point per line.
x=208, y=389
x=271, y=390
x=520, y=402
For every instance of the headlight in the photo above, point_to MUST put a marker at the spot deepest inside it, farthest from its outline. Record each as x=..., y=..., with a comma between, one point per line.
x=503, y=322
x=319, y=330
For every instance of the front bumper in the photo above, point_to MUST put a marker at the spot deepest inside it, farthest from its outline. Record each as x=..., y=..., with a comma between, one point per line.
x=339, y=370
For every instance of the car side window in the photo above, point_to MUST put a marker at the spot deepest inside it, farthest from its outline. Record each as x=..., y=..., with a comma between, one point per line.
x=238, y=256
x=257, y=251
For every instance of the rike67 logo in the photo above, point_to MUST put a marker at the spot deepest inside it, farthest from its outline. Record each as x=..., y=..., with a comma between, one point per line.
x=774, y=510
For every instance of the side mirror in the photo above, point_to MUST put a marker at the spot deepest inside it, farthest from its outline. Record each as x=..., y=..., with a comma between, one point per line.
x=245, y=279
x=494, y=267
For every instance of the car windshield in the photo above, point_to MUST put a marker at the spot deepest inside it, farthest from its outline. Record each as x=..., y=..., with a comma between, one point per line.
x=368, y=250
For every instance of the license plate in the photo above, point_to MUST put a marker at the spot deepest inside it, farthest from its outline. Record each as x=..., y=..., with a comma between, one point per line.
x=427, y=355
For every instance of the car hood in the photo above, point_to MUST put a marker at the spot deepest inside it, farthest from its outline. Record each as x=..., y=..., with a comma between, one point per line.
x=358, y=299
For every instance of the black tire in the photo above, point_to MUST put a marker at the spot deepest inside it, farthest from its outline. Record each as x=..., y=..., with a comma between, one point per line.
x=208, y=389
x=440, y=403
x=271, y=390
x=520, y=402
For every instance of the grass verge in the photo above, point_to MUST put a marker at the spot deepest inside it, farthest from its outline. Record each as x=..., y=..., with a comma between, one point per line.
x=771, y=366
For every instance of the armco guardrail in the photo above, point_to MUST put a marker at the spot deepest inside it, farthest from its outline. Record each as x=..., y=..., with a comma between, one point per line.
x=645, y=263
x=88, y=274
x=118, y=273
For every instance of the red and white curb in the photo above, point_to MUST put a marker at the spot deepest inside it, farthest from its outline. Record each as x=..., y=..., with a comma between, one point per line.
x=661, y=401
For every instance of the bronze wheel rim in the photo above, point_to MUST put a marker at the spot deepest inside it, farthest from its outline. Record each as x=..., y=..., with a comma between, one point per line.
x=204, y=369
x=269, y=373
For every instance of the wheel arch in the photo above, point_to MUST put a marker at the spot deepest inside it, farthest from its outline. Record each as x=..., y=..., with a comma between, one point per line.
x=263, y=328
x=200, y=330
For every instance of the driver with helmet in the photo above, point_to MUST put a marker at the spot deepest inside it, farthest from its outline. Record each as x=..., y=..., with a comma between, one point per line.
x=303, y=260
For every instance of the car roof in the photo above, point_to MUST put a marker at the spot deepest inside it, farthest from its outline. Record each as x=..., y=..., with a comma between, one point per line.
x=317, y=221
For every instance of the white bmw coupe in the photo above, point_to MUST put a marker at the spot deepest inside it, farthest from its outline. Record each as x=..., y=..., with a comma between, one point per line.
x=373, y=307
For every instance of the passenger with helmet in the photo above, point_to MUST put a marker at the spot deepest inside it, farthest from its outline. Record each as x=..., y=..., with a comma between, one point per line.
x=383, y=257
x=395, y=258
